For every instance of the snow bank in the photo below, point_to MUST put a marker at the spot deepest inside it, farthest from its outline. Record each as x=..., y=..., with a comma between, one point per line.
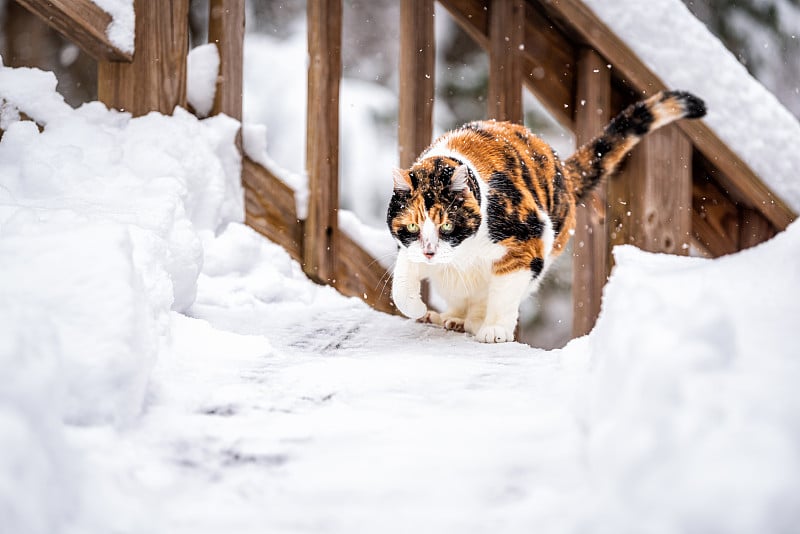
x=685, y=55
x=692, y=410
x=101, y=221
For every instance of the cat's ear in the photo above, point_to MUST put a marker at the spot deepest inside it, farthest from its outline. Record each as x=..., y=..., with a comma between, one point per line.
x=460, y=179
x=401, y=181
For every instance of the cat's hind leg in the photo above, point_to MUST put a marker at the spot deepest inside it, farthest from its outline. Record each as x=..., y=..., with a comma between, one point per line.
x=502, y=306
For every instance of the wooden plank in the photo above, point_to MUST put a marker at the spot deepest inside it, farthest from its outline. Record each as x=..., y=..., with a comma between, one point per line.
x=417, y=68
x=322, y=138
x=547, y=58
x=715, y=215
x=506, y=35
x=590, y=262
x=549, y=65
x=588, y=28
x=156, y=79
x=359, y=275
x=270, y=208
x=661, y=192
x=226, y=30
x=754, y=228
x=82, y=22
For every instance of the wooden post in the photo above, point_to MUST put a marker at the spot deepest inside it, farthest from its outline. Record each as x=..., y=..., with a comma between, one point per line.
x=156, y=79
x=226, y=30
x=417, y=65
x=653, y=208
x=322, y=135
x=506, y=38
x=590, y=242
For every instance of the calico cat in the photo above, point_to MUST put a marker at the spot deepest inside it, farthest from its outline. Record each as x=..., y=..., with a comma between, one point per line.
x=485, y=210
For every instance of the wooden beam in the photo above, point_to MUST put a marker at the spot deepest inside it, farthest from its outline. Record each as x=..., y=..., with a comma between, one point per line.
x=590, y=250
x=82, y=22
x=359, y=275
x=589, y=29
x=715, y=214
x=547, y=58
x=651, y=199
x=226, y=30
x=270, y=208
x=549, y=66
x=664, y=189
x=753, y=228
x=417, y=66
x=506, y=36
x=322, y=139
x=714, y=218
x=156, y=79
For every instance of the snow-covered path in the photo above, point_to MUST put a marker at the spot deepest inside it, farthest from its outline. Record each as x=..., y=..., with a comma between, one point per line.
x=165, y=369
x=284, y=407
x=351, y=421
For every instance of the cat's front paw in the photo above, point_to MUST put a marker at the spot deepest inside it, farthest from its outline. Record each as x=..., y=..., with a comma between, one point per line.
x=494, y=334
x=411, y=307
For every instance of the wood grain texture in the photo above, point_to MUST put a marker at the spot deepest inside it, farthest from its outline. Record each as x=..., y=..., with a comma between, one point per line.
x=322, y=138
x=590, y=249
x=226, y=30
x=156, y=78
x=359, y=275
x=506, y=36
x=651, y=199
x=82, y=22
x=734, y=172
x=754, y=228
x=270, y=208
x=417, y=72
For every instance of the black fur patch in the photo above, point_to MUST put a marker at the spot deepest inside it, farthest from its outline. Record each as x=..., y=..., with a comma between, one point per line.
x=465, y=224
x=502, y=187
x=537, y=264
x=502, y=224
x=397, y=203
x=636, y=120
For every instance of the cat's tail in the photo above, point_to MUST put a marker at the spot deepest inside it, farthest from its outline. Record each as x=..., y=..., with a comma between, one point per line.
x=601, y=156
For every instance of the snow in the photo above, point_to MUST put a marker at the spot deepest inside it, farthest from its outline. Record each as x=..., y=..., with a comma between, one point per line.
x=167, y=369
x=101, y=218
x=202, y=68
x=121, y=30
x=745, y=115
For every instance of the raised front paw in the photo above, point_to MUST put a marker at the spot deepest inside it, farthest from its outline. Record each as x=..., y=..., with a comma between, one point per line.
x=411, y=307
x=494, y=334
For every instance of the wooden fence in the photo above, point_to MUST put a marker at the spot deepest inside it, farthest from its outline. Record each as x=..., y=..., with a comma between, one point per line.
x=681, y=186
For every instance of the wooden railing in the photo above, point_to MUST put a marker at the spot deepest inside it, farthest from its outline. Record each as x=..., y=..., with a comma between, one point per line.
x=681, y=185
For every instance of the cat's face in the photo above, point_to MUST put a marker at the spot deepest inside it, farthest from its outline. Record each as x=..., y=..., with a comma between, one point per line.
x=434, y=208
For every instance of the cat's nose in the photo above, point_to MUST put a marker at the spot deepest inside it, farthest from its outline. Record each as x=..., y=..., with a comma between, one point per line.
x=428, y=255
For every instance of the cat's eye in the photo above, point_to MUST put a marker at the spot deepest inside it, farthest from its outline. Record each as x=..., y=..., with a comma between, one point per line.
x=412, y=227
x=446, y=228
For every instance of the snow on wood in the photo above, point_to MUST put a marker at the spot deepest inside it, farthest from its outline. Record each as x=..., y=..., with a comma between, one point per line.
x=742, y=112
